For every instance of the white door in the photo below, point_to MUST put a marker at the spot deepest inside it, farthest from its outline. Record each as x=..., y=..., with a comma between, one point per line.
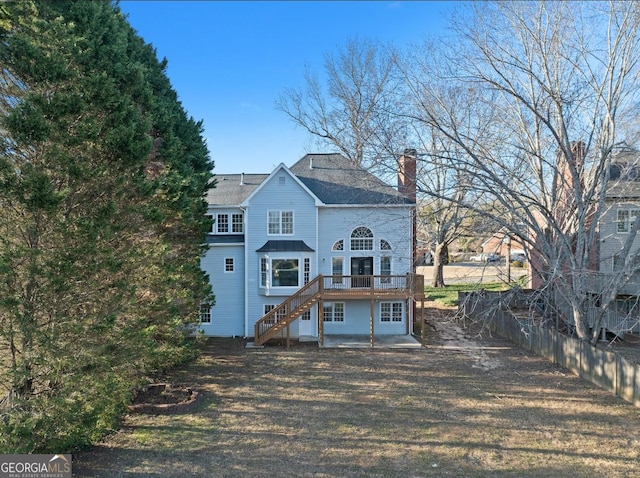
x=307, y=323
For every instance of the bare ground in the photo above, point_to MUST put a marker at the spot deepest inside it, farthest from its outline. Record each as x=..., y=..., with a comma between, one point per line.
x=467, y=405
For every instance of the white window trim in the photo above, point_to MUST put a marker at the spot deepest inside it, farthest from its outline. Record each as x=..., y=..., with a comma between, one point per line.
x=217, y=223
x=362, y=239
x=280, y=233
x=333, y=312
x=391, y=321
x=229, y=222
x=387, y=248
x=632, y=214
x=235, y=215
x=269, y=271
x=233, y=265
x=341, y=259
x=205, y=311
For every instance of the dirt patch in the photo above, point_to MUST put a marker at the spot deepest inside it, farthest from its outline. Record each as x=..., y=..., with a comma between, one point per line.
x=164, y=398
x=469, y=404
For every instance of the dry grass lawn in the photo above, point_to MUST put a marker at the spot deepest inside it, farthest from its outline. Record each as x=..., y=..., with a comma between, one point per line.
x=465, y=406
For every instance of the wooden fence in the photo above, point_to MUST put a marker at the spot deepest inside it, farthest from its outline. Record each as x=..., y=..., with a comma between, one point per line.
x=604, y=368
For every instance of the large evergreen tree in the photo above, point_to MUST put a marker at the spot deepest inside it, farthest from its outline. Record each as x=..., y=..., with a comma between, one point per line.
x=102, y=177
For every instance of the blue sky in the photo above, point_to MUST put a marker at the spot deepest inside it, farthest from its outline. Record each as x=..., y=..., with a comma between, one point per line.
x=230, y=60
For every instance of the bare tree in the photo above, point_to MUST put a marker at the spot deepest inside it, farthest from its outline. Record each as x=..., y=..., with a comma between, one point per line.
x=531, y=94
x=354, y=111
x=363, y=113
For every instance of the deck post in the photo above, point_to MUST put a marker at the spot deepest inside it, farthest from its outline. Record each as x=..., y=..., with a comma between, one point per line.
x=373, y=306
x=320, y=322
x=422, y=324
x=288, y=336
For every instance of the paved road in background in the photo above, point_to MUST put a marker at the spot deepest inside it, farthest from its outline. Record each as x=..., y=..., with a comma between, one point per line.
x=472, y=272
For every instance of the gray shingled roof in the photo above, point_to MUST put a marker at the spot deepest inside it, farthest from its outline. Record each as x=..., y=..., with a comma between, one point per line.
x=285, y=246
x=336, y=180
x=624, y=175
x=229, y=191
x=331, y=177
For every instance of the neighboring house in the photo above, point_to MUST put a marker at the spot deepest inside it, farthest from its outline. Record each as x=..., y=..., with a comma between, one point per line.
x=323, y=247
x=615, y=230
x=503, y=244
x=607, y=259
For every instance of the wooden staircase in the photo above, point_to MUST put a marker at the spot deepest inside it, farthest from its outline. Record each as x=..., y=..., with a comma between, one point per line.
x=282, y=315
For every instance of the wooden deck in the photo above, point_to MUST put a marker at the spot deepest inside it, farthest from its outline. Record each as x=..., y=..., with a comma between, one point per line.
x=409, y=286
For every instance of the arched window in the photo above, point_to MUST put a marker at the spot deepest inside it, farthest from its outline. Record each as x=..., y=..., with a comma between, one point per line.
x=338, y=246
x=362, y=239
x=384, y=245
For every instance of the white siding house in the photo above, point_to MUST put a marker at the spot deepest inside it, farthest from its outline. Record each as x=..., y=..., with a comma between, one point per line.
x=322, y=223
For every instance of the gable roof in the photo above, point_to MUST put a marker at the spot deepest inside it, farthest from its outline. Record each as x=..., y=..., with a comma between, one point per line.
x=336, y=180
x=331, y=178
x=275, y=172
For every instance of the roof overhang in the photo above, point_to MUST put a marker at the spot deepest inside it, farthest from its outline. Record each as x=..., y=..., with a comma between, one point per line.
x=285, y=246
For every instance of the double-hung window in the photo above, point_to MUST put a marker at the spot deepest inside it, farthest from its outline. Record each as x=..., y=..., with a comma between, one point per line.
x=333, y=312
x=391, y=311
x=237, y=223
x=205, y=313
x=222, y=222
x=626, y=218
x=280, y=222
x=222, y=225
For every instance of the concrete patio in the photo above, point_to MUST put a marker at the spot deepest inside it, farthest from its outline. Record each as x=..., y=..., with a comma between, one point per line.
x=363, y=342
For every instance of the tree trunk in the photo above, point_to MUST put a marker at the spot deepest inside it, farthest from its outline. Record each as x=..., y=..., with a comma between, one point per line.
x=439, y=259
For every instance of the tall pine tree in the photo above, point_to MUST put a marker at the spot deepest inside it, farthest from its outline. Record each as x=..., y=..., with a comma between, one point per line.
x=102, y=177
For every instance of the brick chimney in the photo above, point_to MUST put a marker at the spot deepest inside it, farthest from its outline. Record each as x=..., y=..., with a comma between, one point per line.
x=407, y=174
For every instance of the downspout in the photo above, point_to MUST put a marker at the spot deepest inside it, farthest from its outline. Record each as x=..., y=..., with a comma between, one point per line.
x=315, y=324
x=246, y=271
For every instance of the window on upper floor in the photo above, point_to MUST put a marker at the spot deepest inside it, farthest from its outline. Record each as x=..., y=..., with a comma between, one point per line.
x=362, y=239
x=306, y=273
x=280, y=272
x=384, y=245
x=237, y=223
x=338, y=245
x=229, y=265
x=385, y=268
x=626, y=218
x=223, y=226
x=337, y=264
x=209, y=217
x=280, y=222
x=222, y=223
